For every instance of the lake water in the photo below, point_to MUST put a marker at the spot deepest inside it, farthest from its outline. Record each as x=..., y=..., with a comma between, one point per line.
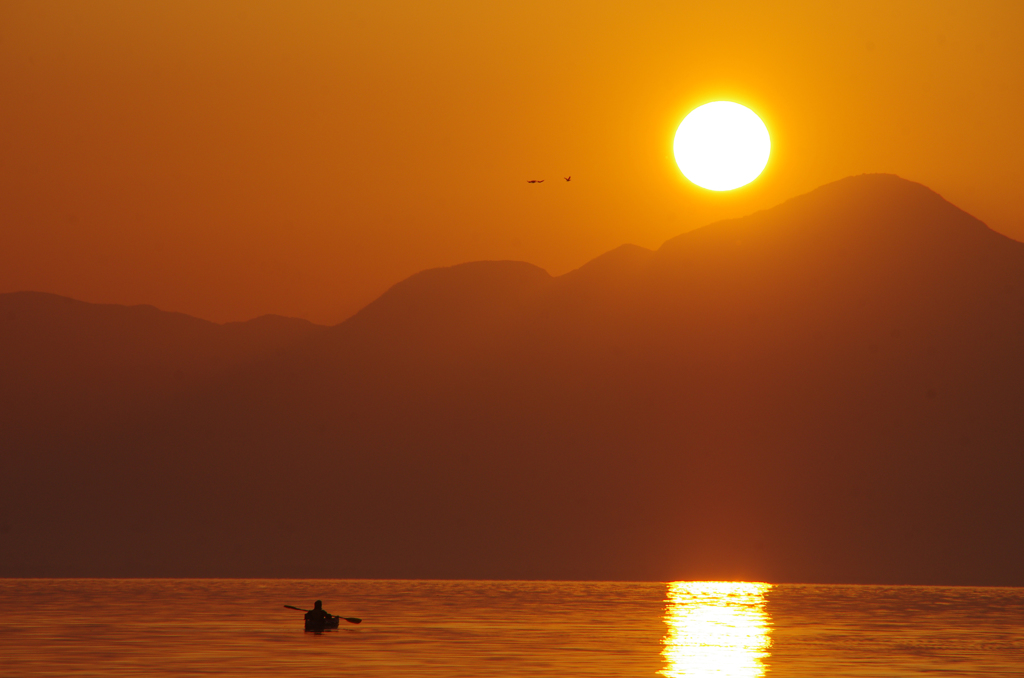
x=190, y=627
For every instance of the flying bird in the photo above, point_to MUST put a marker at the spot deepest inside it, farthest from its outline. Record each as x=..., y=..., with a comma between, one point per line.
x=568, y=178
x=535, y=181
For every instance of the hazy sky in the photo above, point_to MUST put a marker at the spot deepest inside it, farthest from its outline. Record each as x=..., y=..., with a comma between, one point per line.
x=231, y=159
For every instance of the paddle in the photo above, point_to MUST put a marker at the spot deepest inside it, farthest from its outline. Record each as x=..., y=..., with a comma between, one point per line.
x=350, y=620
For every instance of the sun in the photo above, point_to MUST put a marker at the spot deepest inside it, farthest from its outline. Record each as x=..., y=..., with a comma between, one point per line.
x=722, y=145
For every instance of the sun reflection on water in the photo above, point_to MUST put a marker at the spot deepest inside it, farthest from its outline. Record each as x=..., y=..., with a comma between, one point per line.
x=715, y=628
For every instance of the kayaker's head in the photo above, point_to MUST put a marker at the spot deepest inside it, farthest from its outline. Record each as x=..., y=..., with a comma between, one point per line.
x=317, y=605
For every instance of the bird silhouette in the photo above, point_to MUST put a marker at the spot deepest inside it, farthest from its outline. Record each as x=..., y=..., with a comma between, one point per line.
x=535, y=181
x=568, y=178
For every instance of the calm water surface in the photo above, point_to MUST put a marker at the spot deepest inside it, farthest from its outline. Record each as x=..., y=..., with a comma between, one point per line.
x=162, y=627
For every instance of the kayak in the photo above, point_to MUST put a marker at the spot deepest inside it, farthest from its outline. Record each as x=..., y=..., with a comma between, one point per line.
x=331, y=623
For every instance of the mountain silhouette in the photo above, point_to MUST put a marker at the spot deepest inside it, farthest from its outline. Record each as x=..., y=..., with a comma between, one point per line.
x=67, y=355
x=829, y=390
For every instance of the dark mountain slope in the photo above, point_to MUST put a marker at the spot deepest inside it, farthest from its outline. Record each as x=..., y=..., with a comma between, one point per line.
x=829, y=390
x=83, y=360
x=74, y=379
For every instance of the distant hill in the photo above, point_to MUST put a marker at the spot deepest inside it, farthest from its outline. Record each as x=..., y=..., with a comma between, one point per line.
x=60, y=354
x=830, y=390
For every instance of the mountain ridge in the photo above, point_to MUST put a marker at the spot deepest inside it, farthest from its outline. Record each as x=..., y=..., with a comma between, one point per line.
x=815, y=393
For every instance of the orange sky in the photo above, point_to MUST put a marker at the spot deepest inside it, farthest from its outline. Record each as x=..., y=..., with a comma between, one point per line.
x=231, y=159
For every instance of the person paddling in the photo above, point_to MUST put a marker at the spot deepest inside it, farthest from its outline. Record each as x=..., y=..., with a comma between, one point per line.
x=318, y=615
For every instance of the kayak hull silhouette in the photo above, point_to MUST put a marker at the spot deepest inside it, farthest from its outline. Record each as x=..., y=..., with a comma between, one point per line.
x=331, y=623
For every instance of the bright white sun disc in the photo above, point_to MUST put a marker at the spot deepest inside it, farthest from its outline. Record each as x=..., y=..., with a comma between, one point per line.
x=721, y=146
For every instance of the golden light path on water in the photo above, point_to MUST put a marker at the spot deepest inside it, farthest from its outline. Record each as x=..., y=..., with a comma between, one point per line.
x=718, y=629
